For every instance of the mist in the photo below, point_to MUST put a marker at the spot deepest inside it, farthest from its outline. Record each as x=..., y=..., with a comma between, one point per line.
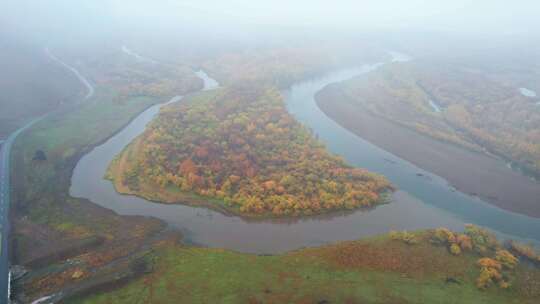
x=62, y=21
x=193, y=32
x=139, y=136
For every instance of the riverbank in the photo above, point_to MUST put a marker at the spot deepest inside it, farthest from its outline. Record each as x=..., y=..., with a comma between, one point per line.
x=488, y=178
x=383, y=269
x=67, y=242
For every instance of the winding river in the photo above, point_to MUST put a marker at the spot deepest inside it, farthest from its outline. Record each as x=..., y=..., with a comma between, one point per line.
x=423, y=200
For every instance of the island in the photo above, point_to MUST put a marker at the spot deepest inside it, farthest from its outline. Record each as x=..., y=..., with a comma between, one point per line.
x=238, y=150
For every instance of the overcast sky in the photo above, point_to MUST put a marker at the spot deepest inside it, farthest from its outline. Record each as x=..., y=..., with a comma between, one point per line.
x=443, y=14
x=55, y=17
x=457, y=15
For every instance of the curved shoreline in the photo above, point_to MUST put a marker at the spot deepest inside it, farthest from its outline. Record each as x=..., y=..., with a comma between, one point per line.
x=142, y=186
x=488, y=179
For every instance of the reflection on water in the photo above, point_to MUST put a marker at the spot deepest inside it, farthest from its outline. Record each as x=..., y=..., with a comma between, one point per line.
x=438, y=204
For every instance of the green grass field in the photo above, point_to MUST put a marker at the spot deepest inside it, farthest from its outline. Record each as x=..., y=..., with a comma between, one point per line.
x=63, y=138
x=45, y=217
x=393, y=273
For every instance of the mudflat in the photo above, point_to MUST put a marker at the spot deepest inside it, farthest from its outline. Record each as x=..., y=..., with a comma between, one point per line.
x=470, y=172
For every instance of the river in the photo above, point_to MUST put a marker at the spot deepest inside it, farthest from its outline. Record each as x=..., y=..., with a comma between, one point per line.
x=422, y=201
x=527, y=92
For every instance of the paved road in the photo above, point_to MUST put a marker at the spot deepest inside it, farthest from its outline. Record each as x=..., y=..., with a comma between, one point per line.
x=79, y=76
x=5, y=151
x=4, y=198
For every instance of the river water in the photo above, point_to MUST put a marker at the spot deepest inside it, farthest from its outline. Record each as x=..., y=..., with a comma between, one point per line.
x=527, y=92
x=422, y=201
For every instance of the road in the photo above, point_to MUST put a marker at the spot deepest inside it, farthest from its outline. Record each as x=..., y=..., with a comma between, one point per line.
x=73, y=70
x=4, y=199
x=5, y=190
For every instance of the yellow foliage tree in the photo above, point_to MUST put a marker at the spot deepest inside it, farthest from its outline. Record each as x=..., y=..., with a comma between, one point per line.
x=506, y=259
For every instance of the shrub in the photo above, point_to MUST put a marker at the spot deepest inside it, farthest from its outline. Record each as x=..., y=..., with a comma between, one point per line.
x=39, y=155
x=489, y=263
x=490, y=270
x=464, y=242
x=455, y=249
x=506, y=259
x=487, y=277
x=407, y=237
x=482, y=240
x=456, y=243
x=525, y=251
x=443, y=236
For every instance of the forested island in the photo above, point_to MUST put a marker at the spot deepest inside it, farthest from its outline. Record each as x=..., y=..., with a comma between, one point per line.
x=238, y=150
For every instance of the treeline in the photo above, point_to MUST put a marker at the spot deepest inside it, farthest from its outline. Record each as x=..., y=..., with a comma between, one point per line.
x=478, y=112
x=241, y=146
x=488, y=112
x=282, y=66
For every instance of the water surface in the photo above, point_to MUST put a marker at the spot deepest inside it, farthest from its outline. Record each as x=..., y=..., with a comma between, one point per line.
x=434, y=106
x=527, y=92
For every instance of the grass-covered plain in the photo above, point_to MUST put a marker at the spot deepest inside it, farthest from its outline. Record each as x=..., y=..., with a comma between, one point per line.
x=64, y=138
x=49, y=225
x=375, y=270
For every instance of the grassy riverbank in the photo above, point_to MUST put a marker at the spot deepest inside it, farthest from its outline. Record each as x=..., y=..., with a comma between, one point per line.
x=50, y=226
x=375, y=270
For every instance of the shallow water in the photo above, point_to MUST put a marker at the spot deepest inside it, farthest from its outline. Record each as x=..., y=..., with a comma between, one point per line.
x=434, y=106
x=527, y=92
x=422, y=202
x=129, y=52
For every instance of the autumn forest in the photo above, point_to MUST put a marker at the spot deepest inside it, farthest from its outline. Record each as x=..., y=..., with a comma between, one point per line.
x=240, y=146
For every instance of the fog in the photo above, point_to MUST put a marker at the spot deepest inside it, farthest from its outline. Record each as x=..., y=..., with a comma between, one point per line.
x=439, y=97
x=65, y=20
x=197, y=30
x=204, y=28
